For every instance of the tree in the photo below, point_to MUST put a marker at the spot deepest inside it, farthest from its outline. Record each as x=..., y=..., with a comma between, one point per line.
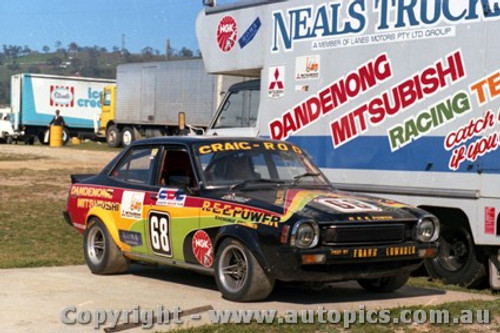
x=73, y=47
x=46, y=48
x=185, y=53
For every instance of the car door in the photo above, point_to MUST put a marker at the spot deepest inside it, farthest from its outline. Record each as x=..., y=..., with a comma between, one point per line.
x=134, y=181
x=174, y=214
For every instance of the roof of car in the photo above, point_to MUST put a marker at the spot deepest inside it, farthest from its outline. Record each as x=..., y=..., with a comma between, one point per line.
x=192, y=140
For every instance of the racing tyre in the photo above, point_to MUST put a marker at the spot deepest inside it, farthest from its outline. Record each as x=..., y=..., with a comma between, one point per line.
x=457, y=261
x=128, y=136
x=100, y=251
x=113, y=137
x=385, y=284
x=238, y=274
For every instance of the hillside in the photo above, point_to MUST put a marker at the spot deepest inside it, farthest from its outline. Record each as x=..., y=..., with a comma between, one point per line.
x=74, y=61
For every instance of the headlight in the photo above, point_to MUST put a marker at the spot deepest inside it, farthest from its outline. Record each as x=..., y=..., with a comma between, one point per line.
x=426, y=230
x=305, y=234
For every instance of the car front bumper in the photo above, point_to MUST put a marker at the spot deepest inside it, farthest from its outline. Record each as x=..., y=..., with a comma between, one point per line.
x=328, y=263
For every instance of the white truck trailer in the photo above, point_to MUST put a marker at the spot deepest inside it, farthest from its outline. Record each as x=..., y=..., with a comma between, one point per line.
x=395, y=98
x=36, y=97
x=148, y=97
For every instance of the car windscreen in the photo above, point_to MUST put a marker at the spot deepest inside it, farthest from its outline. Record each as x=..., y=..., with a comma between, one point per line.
x=228, y=163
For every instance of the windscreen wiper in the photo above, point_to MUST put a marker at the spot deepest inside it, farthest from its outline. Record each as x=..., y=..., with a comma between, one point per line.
x=254, y=181
x=296, y=179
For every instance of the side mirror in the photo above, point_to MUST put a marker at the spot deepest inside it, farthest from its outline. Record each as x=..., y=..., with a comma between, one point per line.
x=209, y=3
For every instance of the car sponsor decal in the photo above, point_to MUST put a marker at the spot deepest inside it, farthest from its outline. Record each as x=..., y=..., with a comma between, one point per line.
x=227, y=33
x=91, y=192
x=347, y=205
x=375, y=252
x=132, y=205
x=131, y=238
x=86, y=203
x=202, y=248
x=234, y=213
x=159, y=233
x=251, y=32
x=172, y=197
x=245, y=145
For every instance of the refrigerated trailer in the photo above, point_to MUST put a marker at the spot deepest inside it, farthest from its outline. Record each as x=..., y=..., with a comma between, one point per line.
x=36, y=97
x=148, y=97
x=395, y=98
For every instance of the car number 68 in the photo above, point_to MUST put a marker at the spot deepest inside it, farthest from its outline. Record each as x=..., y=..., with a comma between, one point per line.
x=159, y=232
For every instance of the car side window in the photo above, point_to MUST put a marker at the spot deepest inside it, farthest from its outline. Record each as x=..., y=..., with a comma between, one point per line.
x=176, y=169
x=137, y=166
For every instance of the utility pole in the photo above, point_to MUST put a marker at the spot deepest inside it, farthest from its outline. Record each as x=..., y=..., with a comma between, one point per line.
x=167, y=49
x=123, y=43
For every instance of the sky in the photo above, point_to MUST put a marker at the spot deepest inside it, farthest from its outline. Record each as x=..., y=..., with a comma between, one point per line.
x=36, y=23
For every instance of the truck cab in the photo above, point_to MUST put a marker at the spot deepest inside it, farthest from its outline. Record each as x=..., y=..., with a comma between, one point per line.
x=237, y=114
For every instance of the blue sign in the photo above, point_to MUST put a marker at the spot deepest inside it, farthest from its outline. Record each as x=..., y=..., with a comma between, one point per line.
x=250, y=33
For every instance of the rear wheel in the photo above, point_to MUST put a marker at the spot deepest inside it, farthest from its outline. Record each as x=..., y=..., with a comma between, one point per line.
x=458, y=260
x=113, y=137
x=128, y=136
x=385, y=284
x=238, y=275
x=100, y=251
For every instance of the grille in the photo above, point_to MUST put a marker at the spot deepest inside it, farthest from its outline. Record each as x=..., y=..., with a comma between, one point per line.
x=363, y=234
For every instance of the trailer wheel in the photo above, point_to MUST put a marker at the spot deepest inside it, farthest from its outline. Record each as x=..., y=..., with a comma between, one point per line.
x=458, y=261
x=41, y=137
x=66, y=137
x=128, y=136
x=113, y=136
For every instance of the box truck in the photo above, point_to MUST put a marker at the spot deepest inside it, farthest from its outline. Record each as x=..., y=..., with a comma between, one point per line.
x=148, y=97
x=395, y=98
x=36, y=97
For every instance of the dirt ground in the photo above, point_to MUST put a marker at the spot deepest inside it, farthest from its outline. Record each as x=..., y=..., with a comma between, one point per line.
x=46, y=158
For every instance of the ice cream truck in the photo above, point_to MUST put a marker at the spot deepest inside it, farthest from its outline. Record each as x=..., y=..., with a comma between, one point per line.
x=392, y=98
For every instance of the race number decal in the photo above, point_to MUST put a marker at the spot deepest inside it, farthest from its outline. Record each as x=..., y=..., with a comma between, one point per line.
x=159, y=233
x=348, y=205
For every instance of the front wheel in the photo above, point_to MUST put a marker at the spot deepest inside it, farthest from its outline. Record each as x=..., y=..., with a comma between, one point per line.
x=100, y=251
x=458, y=260
x=385, y=284
x=113, y=136
x=238, y=275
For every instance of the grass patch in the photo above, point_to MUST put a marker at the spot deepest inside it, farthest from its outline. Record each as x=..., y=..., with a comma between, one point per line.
x=454, y=309
x=33, y=232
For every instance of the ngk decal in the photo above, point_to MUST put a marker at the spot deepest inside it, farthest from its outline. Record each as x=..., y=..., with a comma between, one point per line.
x=276, y=81
x=227, y=33
x=62, y=96
x=202, y=248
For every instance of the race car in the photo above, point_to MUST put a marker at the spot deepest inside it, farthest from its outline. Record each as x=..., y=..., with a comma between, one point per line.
x=248, y=211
